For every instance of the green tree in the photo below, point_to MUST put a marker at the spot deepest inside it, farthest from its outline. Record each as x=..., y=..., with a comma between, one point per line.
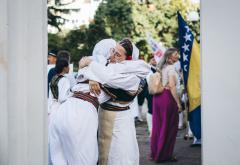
x=129, y=18
x=55, y=10
x=55, y=42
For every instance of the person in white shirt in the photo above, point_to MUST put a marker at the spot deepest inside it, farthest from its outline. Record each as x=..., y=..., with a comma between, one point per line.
x=59, y=86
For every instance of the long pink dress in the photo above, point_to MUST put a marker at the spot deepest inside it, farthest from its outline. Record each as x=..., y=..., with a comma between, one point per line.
x=165, y=121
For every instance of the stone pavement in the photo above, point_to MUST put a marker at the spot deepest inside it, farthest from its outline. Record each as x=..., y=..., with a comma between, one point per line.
x=185, y=154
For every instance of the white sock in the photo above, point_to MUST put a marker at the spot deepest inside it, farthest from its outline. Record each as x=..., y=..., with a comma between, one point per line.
x=190, y=134
x=140, y=113
x=180, y=123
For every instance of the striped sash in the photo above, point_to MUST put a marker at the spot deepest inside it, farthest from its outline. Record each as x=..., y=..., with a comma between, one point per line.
x=87, y=97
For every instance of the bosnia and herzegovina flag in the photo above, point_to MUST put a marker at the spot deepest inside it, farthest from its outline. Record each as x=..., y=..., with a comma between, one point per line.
x=190, y=63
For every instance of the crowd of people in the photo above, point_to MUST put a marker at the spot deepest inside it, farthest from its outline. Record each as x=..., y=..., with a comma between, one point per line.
x=92, y=113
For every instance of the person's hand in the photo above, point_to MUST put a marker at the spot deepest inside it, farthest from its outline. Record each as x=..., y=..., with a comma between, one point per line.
x=94, y=87
x=85, y=61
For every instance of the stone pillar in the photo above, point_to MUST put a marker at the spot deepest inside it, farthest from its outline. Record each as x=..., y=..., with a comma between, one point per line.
x=3, y=84
x=23, y=96
x=220, y=50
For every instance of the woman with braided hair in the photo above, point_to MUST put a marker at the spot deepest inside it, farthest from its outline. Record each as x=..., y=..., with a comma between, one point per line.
x=59, y=86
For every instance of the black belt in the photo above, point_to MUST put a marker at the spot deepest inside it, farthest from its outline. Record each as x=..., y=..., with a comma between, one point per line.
x=109, y=107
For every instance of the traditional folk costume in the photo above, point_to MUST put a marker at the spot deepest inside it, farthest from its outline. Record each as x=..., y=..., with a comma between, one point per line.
x=73, y=129
x=74, y=126
x=117, y=134
x=101, y=54
x=59, y=92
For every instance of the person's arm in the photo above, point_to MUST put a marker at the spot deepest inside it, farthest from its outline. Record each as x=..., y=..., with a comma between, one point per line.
x=107, y=75
x=63, y=89
x=113, y=76
x=138, y=67
x=172, y=81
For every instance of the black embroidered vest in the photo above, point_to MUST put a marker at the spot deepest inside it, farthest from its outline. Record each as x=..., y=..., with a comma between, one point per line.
x=54, y=85
x=122, y=95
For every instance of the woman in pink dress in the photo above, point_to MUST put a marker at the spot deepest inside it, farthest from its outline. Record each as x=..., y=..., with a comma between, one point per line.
x=166, y=106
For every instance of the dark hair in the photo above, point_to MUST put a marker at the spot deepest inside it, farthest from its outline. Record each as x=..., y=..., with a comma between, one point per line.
x=127, y=45
x=60, y=65
x=63, y=54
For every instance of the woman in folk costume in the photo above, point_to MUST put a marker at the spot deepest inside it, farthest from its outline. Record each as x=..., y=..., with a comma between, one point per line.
x=166, y=106
x=73, y=129
x=59, y=86
x=117, y=134
x=102, y=51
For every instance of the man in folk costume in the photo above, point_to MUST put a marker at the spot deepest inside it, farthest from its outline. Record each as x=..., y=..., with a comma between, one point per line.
x=117, y=134
x=102, y=54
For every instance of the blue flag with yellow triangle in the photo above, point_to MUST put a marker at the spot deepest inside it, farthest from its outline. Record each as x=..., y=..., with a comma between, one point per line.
x=190, y=64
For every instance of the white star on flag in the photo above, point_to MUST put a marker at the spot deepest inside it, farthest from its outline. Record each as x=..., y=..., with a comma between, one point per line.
x=185, y=47
x=187, y=28
x=185, y=68
x=187, y=37
x=185, y=57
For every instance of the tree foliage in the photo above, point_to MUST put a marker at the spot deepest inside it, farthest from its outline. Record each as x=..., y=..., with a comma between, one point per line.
x=129, y=18
x=55, y=11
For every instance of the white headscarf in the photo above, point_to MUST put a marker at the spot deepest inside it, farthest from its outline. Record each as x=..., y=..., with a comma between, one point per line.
x=101, y=51
x=135, y=54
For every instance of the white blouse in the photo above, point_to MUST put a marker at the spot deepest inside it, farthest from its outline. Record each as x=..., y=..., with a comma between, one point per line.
x=63, y=90
x=167, y=71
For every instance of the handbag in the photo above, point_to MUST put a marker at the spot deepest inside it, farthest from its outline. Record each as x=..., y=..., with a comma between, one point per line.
x=155, y=84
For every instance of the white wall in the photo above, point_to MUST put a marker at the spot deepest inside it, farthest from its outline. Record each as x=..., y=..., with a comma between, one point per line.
x=220, y=32
x=23, y=59
x=3, y=84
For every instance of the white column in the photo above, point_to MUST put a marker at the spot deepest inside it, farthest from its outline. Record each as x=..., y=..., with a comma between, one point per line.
x=3, y=84
x=23, y=59
x=220, y=32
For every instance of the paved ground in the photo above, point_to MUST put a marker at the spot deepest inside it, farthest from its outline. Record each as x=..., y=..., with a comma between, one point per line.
x=185, y=154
